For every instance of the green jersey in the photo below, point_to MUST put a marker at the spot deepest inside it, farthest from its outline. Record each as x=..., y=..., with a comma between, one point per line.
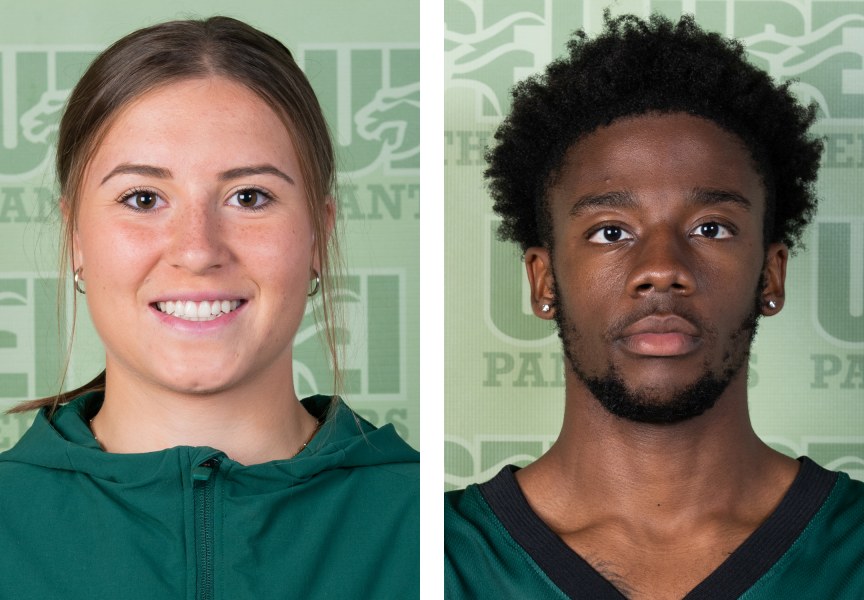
x=810, y=547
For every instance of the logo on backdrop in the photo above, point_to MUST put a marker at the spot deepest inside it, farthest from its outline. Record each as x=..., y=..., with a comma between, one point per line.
x=812, y=50
x=30, y=346
x=370, y=95
x=839, y=289
x=373, y=355
x=481, y=459
x=34, y=84
x=838, y=303
x=488, y=48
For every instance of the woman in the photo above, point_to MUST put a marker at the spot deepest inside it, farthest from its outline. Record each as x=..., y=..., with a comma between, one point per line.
x=195, y=174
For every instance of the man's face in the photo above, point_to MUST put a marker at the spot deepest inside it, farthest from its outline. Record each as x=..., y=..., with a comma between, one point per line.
x=656, y=273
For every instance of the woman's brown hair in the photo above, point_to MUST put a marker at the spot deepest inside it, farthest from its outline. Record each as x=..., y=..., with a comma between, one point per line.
x=180, y=50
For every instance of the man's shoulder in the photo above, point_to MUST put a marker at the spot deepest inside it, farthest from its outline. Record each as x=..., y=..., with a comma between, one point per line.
x=467, y=510
x=842, y=516
x=827, y=559
x=481, y=558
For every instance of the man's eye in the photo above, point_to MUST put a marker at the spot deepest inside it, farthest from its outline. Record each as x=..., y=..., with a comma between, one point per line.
x=141, y=200
x=250, y=198
x=609, y=235
x=712, y=231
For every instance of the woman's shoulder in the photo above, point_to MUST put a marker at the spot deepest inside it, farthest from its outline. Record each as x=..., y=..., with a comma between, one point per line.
x=375, y=452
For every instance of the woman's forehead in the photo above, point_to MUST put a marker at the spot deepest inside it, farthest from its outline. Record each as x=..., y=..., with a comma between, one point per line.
x=196, y=123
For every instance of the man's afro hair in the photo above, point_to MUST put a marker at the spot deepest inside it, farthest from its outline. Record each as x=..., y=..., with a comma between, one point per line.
x=635, y=67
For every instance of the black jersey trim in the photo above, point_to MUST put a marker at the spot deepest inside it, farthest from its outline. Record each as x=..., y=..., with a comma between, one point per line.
x=771, y=540
x=744, y=567
x=569, y=571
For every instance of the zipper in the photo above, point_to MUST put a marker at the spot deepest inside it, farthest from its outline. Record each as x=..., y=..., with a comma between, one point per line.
x=204, y=485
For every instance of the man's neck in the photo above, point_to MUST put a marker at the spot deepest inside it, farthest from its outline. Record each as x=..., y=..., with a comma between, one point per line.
x=612, y=488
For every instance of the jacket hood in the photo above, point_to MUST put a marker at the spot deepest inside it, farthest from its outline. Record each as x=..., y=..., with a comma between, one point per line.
x=344, y=440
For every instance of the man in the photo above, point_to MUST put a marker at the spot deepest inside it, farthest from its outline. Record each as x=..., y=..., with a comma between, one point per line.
x=656, y=183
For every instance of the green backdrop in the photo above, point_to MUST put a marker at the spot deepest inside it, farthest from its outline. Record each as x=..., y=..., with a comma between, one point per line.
x=365, y=69
x=504, y=375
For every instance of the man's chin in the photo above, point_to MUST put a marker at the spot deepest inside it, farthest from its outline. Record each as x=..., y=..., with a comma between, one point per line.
x=653, y=405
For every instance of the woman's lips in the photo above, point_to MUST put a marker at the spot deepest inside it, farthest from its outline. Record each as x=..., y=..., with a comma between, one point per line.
x=200, y=317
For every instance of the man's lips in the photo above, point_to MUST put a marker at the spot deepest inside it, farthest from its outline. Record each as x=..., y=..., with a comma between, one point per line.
x=661, y=336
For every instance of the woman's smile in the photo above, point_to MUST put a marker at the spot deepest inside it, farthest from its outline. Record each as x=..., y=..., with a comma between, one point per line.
x=197, y=311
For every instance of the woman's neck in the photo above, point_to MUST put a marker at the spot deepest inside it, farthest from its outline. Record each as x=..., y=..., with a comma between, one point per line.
x=252, y=423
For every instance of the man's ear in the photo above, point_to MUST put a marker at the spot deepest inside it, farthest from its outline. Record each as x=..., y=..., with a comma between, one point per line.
x=538, y=266
x=774, y=276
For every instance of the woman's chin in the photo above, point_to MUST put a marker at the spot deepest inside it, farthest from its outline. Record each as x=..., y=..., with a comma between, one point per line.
x=197, y=383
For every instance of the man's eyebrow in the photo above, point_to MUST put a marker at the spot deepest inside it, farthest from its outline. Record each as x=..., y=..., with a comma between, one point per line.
x=133, y=169
x=254, y=170
x=712, y=196
x=622, y=199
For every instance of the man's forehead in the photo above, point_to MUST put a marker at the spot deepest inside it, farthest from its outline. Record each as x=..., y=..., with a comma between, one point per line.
x=703, y=161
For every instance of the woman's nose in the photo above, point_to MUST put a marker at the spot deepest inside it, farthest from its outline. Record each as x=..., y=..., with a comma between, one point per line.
x=197, y=239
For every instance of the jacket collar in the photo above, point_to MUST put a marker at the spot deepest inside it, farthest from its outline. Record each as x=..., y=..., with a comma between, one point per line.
x=344, y=440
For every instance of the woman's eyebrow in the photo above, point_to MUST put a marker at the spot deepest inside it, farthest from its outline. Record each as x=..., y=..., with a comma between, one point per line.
x=162, y=173
x=254, y=170
x=135, y=169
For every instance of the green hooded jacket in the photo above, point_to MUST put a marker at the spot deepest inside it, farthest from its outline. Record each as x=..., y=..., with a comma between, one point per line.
x=339, y=520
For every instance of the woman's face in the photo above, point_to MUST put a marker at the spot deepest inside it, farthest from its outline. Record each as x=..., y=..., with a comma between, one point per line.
x=195, y=239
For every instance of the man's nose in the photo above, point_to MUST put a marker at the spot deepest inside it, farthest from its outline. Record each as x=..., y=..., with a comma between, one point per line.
x=663, y=264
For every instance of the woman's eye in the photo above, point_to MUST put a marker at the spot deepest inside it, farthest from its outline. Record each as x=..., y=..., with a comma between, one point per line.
x=249, y=198
x=712, y=231
x=609, y=235
x=142, y=200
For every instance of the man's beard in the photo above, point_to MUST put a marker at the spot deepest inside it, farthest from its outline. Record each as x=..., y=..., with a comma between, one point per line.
x=686, y=403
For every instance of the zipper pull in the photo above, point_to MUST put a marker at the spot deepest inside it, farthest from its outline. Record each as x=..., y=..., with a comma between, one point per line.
x=203, y=471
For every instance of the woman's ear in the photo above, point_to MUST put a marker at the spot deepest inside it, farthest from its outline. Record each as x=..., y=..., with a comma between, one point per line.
x=774, y=276
x=329, y=225
x=538, y=266
x=73, y=240
x=330, y=211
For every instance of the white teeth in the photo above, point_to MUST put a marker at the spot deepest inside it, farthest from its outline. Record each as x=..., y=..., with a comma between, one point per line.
x=197, y=311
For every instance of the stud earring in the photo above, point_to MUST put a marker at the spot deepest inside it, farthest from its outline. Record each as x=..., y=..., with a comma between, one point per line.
x=772, y=305
x=317, y=284
x=76, y=278
x=545, y=308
